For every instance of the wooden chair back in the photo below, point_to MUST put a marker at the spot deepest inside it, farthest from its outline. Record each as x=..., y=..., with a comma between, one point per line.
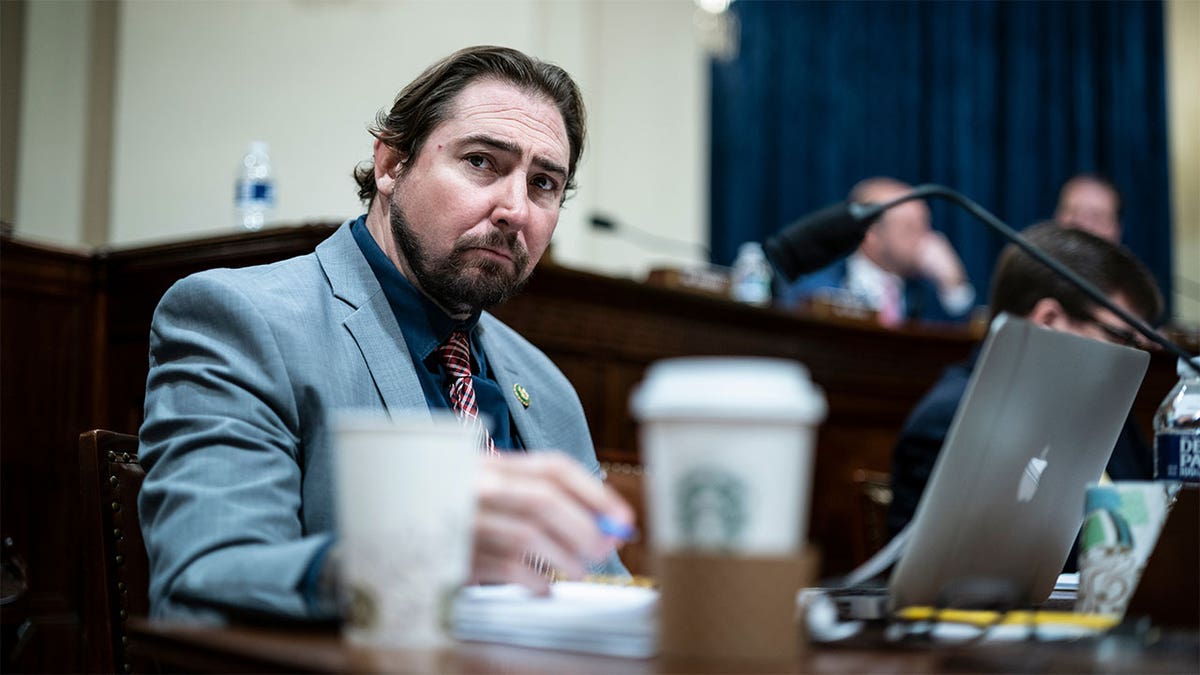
x=873, y=496
x=116, y=572
x=626, y=479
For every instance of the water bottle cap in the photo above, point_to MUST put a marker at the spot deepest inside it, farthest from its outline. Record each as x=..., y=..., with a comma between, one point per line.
x=750, y=248
x=259, y=147
x=1182, y=368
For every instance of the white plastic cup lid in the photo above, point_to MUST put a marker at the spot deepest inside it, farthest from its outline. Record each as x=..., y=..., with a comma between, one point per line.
x=746, y=388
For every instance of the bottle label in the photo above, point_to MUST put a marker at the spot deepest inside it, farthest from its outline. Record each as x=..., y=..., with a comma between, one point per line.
x=1177, y=457
x=259, y=191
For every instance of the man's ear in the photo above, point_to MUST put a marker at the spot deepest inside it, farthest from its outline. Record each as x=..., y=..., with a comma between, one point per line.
x=870, y=242
x=387, y=167
x=1049, y=313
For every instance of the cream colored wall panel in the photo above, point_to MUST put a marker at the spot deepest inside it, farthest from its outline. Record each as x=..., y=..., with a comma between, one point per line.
x=50, y=162
x=648, y=99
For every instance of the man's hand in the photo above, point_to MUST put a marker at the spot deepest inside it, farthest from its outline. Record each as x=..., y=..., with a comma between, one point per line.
x=543, y=504
x=938, y=262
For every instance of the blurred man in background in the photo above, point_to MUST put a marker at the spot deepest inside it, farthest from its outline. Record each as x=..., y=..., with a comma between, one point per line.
x=903, y=269
x=1090, y=203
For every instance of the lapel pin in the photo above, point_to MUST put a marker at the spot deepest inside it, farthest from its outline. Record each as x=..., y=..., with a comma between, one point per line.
x=522, y=394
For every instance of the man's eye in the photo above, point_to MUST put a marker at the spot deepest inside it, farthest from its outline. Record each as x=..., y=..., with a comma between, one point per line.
x=478, y=161
x=544, y=183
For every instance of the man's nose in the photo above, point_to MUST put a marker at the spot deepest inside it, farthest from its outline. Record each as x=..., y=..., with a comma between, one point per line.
x=511, y=211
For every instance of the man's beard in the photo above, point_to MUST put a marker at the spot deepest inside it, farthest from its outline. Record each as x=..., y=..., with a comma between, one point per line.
x=454, y=283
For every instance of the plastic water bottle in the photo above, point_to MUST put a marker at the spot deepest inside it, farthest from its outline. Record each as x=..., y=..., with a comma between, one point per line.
x=1177, y=429
x=751, y=275
x=254, y=192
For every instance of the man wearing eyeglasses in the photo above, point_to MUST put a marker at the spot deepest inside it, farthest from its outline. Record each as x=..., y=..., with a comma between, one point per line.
x=1023, y=287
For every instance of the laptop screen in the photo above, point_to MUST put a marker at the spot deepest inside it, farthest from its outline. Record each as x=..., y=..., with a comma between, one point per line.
x=1040, y=417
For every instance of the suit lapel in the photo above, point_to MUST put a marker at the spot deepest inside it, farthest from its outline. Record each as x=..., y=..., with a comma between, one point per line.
x=530, y=421
x=379, y=338
x=372, y=322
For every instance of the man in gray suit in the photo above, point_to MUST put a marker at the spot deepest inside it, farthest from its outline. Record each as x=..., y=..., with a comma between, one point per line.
x=471, y=166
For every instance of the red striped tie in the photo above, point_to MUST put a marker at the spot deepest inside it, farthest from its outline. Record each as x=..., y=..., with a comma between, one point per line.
x=456, y=357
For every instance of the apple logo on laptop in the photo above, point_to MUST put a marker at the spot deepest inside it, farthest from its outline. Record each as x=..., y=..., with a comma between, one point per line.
x=1031, y=476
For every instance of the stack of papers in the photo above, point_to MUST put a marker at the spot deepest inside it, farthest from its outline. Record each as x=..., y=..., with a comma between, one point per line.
x=1066, y=588
x=576, y=616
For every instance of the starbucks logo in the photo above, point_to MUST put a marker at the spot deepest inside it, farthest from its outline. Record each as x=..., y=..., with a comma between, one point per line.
x=712, y=508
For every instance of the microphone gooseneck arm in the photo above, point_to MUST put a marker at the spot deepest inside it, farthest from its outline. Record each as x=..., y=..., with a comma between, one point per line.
x=929, y=190
x=601, y=222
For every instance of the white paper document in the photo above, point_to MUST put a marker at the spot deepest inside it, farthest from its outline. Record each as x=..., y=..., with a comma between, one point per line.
x=1066, y=588
x=1067, y=581
x=576, y=616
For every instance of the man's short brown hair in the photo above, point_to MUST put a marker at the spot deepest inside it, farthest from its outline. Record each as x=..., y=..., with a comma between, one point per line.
x=1020, y=281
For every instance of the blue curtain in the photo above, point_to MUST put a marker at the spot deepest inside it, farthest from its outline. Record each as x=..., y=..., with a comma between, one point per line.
x=1002, y=101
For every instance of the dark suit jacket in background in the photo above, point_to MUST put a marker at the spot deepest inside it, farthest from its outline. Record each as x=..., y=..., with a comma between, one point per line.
x=920, y=295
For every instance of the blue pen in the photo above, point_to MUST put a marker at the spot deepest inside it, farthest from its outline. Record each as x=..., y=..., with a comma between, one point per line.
x=614, y=528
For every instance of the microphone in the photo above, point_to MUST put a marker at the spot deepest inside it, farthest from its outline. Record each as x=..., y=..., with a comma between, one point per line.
x=825, y=236
x=820, y=238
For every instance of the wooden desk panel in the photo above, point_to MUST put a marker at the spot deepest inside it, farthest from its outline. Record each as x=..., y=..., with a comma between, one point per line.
x=47, y=301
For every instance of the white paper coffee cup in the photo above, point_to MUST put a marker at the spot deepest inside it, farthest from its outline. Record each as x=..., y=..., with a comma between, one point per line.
x=406, y=508
x=728, y=448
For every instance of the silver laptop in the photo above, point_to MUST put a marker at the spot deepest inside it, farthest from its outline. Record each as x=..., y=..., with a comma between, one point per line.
x=1040, y=417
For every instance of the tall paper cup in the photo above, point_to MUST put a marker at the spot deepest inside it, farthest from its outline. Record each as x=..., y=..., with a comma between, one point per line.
x=406, y=505
x=728, y=448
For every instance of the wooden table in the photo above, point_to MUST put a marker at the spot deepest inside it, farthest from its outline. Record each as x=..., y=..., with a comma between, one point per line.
x=246, y=649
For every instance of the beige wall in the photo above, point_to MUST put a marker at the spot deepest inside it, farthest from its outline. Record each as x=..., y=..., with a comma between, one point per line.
x=194, y=82
x=12, y=58
x=50, y=181
x=1183, y=108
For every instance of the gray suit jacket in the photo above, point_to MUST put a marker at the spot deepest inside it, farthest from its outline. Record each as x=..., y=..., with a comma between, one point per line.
x=245, y=367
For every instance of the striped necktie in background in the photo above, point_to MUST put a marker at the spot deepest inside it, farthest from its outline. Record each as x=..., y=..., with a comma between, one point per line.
x=891, y=308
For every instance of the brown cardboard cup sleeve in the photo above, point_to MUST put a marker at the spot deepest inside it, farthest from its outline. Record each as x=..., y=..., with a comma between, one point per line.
x=728, y=608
